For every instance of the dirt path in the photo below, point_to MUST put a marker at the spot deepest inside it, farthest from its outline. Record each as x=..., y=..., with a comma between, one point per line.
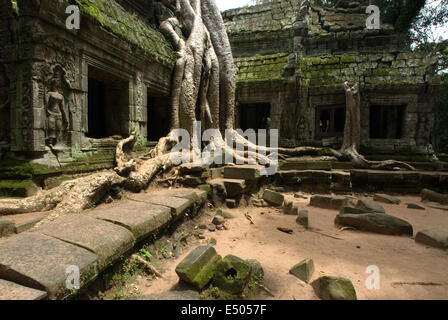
x=404, y=265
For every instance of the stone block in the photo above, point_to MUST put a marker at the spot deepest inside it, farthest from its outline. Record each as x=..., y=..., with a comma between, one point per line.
x=232, y=274
x=384, y=198
x=234, y=187
x=7, y=228
x=334, y=288
x=107, y=240
x=178, y=206
x=40, y=262
x=273, y=197
x=376, y=222
x=327, y=202
x=303, y=270
x=142, y=219
x=244, y=172
x=370, y=206
x=198, y=268
x=302, y=219
x=13, y=291
x=433, y=237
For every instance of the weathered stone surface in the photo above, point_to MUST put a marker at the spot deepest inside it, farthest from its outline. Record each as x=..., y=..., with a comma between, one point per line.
x=245, y=172
x=107, y=240
x=290, y=209
x=415, y=206
x=370, y=206
x=327, y=202
x=303, y=218
x=434, y=238
x=24, y=222
x=234, y=187
x=40, y=262
x=333, y=288
x=376, y=222
x=7, y=228
x=14, y=291
x=231, y=203
x=257, y=272
x=305, y=165
x=189, y=194
x=225, y=214
x=273, y=197
x=140, y=218
x=232, y=274
x=429, y=195
x=178, y=206
x=169, y=296
x=303, y=270
x=218, y=220
x=384, y=198
x=199, y=267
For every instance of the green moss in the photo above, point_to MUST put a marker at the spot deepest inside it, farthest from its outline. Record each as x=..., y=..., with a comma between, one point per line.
x=347, y=59
x=380, y=72
x=113, y=19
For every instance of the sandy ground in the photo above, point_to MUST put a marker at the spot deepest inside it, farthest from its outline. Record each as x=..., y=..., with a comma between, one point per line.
x=407, y=270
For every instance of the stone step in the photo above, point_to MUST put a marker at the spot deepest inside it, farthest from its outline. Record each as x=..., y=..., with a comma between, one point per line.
x=107, y=240
x=13, y=291
x=24, y=222
x=244, y=172
x=306, y=165
x=40, y=262
x=178, y=205
x=140, y=218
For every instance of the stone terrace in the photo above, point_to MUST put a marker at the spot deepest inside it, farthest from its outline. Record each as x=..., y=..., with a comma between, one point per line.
x=33, y=265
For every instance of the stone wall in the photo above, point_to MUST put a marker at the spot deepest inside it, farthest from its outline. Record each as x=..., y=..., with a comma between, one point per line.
x=36, y=49
x=321, y=49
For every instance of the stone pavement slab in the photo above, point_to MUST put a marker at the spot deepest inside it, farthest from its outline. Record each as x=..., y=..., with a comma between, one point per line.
x=40, y=262
x=140, y=218
x=105, y=239
x=189, y=194
x=13, y=291
x=178, y=206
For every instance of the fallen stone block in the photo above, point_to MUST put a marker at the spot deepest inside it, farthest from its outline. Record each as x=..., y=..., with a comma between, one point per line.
x=40, y=262
x=178, y=206
x=218, y=220
x=273, y=197
x=370, y=206
x=225, y=214
x=384, y=198
x=7, y=228
x=142, y=219
x=302, y=219
x=244, y=172
x=433, y=238
x=415, y=206
x=327, y=202
x=199, y=267
x=107, y=240
x=231, y=203
x=429, y=195
x=333, y=288
x=234, y=187
x=376, y=222
x=303, y=270
x=13, y=291
x=290, y=209
x=232, y=274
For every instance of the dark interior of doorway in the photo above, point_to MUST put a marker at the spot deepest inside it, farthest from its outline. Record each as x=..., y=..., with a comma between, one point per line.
x=158, y=117
x=387, y=122
x=255, y=116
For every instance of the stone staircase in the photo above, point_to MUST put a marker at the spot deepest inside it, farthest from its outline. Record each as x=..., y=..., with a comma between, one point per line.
x=35, y=265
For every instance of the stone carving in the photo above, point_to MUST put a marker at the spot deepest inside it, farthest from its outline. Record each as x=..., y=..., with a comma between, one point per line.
x=57, y=121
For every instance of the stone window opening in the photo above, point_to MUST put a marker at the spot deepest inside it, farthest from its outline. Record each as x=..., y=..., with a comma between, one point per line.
x=159, y=117
x=255, y=116
x=108, y=105
x=330, y=121
x=387, y=122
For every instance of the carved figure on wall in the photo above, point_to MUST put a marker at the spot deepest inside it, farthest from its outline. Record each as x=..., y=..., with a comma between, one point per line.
x=57, y=121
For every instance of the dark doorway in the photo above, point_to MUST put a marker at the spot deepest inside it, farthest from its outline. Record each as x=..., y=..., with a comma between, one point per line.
x=386, y=122
x=159, y=120
x=5, y=107
x=255, y=116
x=330, y=121
x=108, y=105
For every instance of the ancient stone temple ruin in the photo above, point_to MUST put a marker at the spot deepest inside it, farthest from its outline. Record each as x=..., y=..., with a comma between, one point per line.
x=67, y=96
x=293, y=59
